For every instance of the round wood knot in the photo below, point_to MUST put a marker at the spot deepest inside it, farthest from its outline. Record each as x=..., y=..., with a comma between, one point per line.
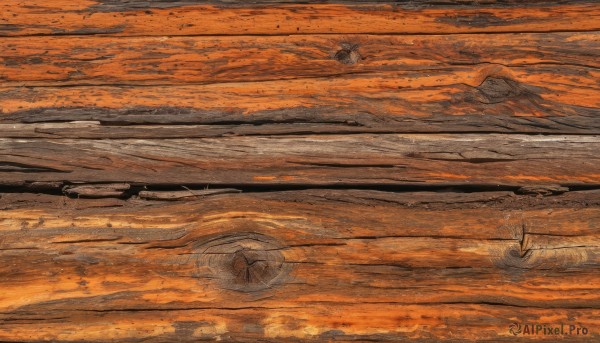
x=348, y=54
x=495, y=90
x=244, y=262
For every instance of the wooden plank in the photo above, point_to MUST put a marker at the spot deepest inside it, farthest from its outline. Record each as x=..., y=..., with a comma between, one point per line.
x=60, y=17
x=487, y=98
x=554, y=90
x=353, y=265
x=47, y=61
x=308, y=159
x=370, y=322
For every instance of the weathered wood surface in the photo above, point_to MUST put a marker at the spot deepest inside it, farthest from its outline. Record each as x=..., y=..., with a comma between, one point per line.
x=84, y=17
x=487, y=98
x=308, y=159
x=31, y=61
x=361, y=83
x=314, y=264
x=267, y=171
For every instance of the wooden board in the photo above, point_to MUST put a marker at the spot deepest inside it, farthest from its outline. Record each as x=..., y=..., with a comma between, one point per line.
x=184, y=17
x=307, y=160
x=467, y=99
x=299, y=171
x=293, y=264
x=43, y=61
x=360, y=83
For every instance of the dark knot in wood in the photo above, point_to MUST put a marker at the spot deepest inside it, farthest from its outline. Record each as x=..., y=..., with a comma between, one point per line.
x=495, y=90
x=244, y=262
x=348, y=54
x=519, y=257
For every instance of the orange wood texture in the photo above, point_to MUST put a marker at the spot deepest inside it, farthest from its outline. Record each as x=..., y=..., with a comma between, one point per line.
x=355, y=264
x=156, y=17
x=44, y=61
x=286, y=171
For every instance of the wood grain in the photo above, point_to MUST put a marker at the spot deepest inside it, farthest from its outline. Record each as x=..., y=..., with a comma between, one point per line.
x=309, y=160
x=85, y=17
x=418, y=265
x=45, y=61
x=361, y=83
x=486, y=98
x=299, y=171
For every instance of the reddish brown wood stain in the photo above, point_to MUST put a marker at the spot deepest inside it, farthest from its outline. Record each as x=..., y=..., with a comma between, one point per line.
x=299, y=171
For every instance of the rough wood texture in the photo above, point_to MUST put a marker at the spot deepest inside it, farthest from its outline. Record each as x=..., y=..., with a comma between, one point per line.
x=309, y=160
x=488, y=98
x=290, y=171
x=361, y=83
x=293, y=264
x=84, y=17
x=390, y=84
x=174, y=60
